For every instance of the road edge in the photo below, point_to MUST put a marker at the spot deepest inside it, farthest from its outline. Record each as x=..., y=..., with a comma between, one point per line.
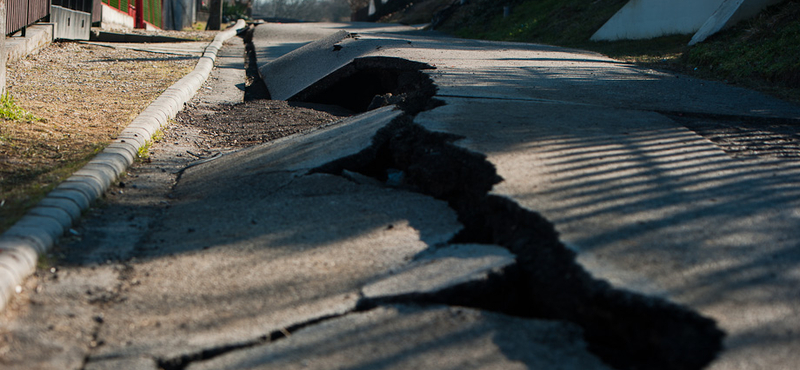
x=42, y=226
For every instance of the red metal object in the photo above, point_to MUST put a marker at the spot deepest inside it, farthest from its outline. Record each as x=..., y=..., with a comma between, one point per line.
x=139, y=18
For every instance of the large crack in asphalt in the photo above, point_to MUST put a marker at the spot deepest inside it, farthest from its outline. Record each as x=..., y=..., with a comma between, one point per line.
x=626, y=330
x=372, y=82
x=254, y=87
x=181, y=362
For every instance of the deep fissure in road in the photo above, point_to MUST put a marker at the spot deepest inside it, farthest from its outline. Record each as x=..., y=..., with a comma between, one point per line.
x=625, y=329
x=363, y=84
x=254, y=87
x=181, y=362
x=373, y=82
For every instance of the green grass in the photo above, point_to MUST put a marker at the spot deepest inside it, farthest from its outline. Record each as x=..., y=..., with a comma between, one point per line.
x=196, y=26
x=46, y=261
x=10, y=111
x=766, y=49
x=545, y=21
x=144, y=151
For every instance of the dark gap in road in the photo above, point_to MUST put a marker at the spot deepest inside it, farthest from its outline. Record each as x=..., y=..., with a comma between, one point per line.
x=363, y=84
x=624, y=329
x=373, y=82
x=498, y=292
x=254, y=86
x=183, y=361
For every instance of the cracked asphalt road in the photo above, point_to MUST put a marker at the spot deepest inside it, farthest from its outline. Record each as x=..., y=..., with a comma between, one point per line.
x=390, y=241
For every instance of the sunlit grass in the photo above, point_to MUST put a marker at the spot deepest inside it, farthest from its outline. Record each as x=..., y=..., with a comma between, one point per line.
x=10, y=111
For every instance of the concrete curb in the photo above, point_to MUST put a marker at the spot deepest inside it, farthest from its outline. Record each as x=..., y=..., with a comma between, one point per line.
x=42, y=226
x=38, y=36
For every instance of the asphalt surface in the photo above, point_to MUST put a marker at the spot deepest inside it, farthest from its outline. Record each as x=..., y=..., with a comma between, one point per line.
x=476, y=234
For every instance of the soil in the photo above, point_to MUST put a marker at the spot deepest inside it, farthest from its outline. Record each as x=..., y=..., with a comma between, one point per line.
x=254, y=122
x=83, y=95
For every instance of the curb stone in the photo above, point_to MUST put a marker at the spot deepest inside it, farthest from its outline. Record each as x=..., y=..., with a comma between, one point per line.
x=41, y=227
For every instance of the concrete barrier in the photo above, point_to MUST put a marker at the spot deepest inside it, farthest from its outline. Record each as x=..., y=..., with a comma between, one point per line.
x=70, y=24
x=38, y=36
x=729, y=13
x=645, y=19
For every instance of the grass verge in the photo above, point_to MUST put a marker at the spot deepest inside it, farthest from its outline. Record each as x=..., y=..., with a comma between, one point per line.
x=763, y=53
x=25, y=189
x=10, y=111
x=85, y=95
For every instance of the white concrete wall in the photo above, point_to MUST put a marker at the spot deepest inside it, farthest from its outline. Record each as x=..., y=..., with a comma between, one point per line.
x=2, y=47
x=728, y=14
x=645, y=19
x=749, y=9
x=114, y=19
x=70, y=24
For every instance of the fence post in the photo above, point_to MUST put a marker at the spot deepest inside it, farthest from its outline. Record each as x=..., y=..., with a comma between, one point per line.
x=214, y=15
x=139, y=20
x=3, y=57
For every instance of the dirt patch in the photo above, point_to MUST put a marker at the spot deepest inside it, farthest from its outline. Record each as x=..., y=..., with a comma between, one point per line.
x=166, y=34
x=85, y=95
x=255, y=122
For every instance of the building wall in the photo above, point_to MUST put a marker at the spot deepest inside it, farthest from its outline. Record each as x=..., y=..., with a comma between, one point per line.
x=113, y=18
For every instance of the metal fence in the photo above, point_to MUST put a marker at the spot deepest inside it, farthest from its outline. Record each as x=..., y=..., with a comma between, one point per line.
x=151, y=9
x=23, y=13
x=79, y=5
